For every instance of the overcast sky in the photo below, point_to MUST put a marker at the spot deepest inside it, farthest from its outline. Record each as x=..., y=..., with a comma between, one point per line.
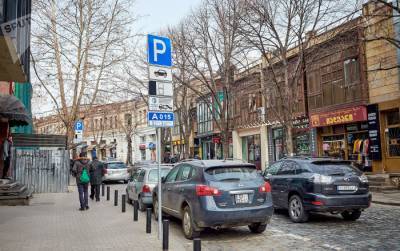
x=158, y=14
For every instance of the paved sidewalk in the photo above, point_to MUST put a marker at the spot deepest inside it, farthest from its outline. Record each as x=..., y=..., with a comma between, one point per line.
x=52, y=220
x=387, y=198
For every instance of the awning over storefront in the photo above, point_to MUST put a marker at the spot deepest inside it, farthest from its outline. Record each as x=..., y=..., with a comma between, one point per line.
x=13, y=110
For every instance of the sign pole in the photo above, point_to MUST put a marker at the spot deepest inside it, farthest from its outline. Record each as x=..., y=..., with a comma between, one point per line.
x=158, y=147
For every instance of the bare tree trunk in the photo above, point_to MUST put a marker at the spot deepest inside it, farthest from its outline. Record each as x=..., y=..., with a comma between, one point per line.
x=289, y=139
x=129, y=149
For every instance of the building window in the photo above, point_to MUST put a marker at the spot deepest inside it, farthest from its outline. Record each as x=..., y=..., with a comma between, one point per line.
x=204, y=118
x=143, y=154
x=143, y=139
x=128, y=119
x=393, y=132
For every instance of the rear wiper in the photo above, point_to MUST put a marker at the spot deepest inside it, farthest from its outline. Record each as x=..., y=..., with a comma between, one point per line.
x=336, y=174
x=230, y=179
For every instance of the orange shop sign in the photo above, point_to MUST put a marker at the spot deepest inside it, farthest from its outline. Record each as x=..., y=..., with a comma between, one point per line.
x=343, y=116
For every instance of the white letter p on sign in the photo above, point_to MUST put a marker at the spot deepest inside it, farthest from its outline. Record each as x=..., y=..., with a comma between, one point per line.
x=158, y=50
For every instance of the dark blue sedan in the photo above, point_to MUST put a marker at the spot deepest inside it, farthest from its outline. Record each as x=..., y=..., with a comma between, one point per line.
x=217, y=194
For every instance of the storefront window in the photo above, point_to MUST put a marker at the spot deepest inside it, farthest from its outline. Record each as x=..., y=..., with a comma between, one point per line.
x=393, y=133
x=252, y=149
x=302, y=144
x=333, y=146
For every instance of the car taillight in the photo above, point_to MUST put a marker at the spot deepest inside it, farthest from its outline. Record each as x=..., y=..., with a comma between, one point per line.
x=104, y=171
x=203, y=190
x=146, y=189
x=266, y=188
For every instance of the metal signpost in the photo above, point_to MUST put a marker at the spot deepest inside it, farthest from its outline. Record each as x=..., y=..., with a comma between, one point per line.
x=159, y=58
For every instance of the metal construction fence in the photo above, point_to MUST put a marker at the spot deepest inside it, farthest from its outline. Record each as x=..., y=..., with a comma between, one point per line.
x=44, y=170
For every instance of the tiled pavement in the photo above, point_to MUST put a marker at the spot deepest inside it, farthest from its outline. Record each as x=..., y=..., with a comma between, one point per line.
x=52, y=222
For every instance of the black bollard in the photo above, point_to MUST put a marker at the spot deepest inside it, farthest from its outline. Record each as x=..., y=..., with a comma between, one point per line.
x=116, y=198
x=165, y=240
x=102, y=189
x=123, y=201
x=135, y=210
x=148, y=221
x=108, y=193
x=196, y=244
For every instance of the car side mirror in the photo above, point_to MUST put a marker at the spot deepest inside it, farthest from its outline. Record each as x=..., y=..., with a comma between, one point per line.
x=163, y=179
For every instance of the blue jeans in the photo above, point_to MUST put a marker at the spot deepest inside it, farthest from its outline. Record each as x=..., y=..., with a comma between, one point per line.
x=83, y=195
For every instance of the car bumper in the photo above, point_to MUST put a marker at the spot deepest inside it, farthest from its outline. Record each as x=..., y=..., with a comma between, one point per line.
x=147, y=199
x=116, y=177
x=212, y=216
x=336, y=202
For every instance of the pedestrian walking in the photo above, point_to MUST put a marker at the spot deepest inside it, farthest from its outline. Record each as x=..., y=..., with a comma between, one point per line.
x=96, y=174
x=7, y=144
x=81, y=172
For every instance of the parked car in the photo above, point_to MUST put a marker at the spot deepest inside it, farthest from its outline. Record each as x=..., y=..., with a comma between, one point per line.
x=142, y=182
x=304, y=185
x=217, y=194
x=116, y=171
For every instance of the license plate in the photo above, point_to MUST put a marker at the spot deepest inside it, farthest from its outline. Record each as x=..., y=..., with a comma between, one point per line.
x=241, y=198
x=346, y=188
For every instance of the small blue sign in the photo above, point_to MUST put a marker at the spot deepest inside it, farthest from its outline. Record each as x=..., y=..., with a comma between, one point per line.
x=160, y=119
x=159, y=50
x=79, y=125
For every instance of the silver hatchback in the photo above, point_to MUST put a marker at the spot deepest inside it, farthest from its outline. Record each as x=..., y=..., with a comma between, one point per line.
x=116, y=171
x=142, y=182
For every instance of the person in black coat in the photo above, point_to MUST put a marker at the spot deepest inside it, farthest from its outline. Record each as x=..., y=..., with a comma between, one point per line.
x=96, y=175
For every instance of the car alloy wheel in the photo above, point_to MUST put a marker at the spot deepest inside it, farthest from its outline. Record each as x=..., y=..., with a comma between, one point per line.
x=296, y=210
x=155, y=209
x=187, y=224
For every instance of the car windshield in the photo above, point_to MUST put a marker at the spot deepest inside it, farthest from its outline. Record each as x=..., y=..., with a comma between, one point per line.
x=232, y=173
x=333, y=168
x=153, y=174
x=116, y=165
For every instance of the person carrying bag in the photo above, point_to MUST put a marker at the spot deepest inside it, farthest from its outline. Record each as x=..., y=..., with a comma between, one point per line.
x=81, y=172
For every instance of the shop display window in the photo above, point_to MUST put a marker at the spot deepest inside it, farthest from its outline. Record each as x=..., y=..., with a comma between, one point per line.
x=334, y=146
x=302, y=144
x=393, y=133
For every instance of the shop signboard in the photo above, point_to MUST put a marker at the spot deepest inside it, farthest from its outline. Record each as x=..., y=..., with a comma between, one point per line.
x=374, y=132
x=343, y=116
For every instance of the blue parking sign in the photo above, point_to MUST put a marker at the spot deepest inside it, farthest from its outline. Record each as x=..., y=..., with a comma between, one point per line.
x=159, y=50
x=79, y=126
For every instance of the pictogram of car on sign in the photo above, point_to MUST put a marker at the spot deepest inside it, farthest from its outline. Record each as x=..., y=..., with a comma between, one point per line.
x=160, y=73
x=165, y=107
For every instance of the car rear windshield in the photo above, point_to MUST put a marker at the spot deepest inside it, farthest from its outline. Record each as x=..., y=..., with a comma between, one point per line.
x=116, y=165
x=232, y=173
x=333, y=168
x=153, y=174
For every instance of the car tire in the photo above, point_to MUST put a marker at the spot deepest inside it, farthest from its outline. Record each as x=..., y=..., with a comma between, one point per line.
x=142, y=206
x=351, y=215
x=188, y=224
x=257, y=228
x=125, y=181
x=297, y=212
x=155, y=208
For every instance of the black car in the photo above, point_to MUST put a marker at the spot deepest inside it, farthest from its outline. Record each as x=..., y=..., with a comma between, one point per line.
x=217, y=194
x=304, y=185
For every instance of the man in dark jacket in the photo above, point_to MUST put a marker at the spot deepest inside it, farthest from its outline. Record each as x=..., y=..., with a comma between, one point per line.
x=79, y=165
x=96, y=174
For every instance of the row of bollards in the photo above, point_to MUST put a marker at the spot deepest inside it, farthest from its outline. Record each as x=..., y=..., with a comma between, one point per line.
x=165, y=223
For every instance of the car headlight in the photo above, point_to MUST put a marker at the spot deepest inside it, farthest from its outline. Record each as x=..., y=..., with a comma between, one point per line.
x=363, y=178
